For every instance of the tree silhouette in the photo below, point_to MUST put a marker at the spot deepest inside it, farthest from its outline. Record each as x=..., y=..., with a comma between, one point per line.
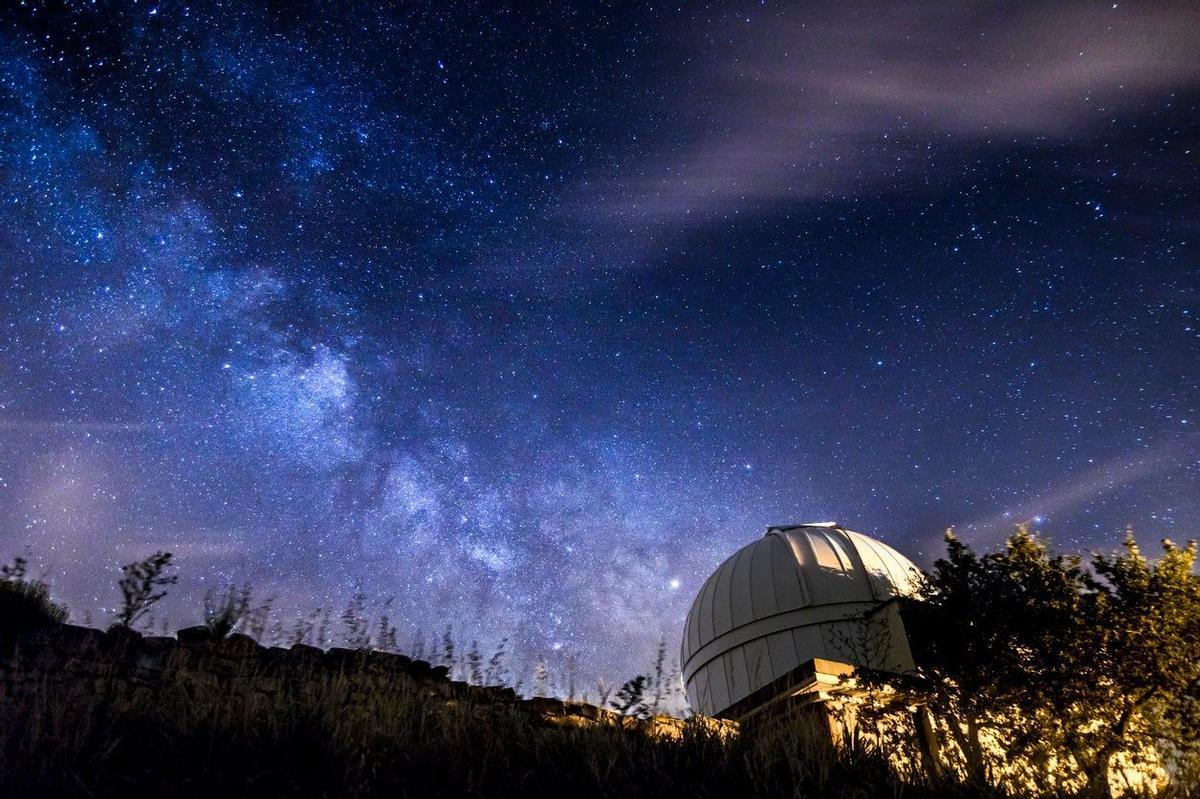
x=142, y=585
x=631, y=698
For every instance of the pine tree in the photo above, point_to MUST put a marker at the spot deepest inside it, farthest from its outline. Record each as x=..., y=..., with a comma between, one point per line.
x=385, y=633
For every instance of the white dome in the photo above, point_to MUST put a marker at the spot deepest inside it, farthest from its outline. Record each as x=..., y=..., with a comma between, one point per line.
x=798, y=593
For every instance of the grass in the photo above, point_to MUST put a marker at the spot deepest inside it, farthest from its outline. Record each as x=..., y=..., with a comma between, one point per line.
x=117, y=715
x=341, y=734
x=25, y=603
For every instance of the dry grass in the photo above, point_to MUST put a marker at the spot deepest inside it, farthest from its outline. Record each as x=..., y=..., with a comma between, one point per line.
x=361, y=735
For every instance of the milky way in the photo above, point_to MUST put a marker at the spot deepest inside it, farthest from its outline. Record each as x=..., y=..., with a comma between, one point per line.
x=528, y=316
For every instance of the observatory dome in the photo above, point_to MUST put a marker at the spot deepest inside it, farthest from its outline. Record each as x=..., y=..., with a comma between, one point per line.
x=799, y=593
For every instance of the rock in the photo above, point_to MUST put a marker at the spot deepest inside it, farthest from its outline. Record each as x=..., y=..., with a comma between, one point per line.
x=182, y=657
x=160, y=642
x=221, y=667
x=238, y=645
x=546, y=705
x=149, y=664
x=305, y=651
x=134, y=668
x=663, y=726
x=584, y=710
x=342, y=657
x=388, y=661
x=498, y=694
x=459, y=689
x=79, y=641
x=199, y=634
x=121, y=635
x=570, y=721
x=267, y=685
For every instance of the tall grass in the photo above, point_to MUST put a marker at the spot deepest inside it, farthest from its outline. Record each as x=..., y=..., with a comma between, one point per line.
x=355, y=733
x=91, y=723
x=24, y=601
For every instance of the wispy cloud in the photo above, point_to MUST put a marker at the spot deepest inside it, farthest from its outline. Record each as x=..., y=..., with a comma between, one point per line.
x=833, y=100
x=71, y=427
x=1105, y=478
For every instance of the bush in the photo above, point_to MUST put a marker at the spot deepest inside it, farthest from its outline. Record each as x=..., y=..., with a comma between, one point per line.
x=25, y=604
x=224, y=612
x=143, y=584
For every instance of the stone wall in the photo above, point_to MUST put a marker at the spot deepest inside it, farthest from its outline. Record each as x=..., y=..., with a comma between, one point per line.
x=239, y=667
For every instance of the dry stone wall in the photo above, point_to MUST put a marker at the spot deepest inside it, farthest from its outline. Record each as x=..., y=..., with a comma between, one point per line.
x=241, y=669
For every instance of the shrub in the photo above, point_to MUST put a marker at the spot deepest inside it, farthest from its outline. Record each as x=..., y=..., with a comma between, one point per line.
x=142, y=585
x=25, y=604
x=631, y=699
x=223, y=614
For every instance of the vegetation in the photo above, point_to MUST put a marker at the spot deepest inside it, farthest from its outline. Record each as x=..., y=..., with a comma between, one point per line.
x=359, y=735
x=631, y=698
x=25, y=603
x=1038, y=673
x=223, y=612
x=1040, y=668
x=142, y=585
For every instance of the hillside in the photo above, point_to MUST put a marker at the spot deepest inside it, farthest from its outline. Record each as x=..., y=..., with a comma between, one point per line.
x=92, y=713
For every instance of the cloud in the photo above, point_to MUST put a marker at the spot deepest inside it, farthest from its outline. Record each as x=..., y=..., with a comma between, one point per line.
x=840, y=99
x=1106, y=478
x=71, y=427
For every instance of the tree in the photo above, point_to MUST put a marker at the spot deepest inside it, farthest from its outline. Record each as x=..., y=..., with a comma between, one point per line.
x=1144, y=686
x=385, y=632
x=604, y=690
x=256, y=620
x=631, y=698
x=142, y=585
x=571, y=674
x=1032, y=660
x=987, y=633
x=15, y=571
x=448, y=647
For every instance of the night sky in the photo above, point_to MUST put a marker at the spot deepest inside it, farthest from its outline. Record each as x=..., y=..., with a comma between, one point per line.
x=529, y=316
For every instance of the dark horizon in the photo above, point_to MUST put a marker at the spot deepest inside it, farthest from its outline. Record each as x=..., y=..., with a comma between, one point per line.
x=531, y=317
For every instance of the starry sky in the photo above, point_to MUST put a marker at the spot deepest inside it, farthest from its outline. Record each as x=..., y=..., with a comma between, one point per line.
x=529, y=314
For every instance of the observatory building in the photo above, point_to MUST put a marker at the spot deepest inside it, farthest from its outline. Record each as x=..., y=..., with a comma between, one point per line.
x=789, y=614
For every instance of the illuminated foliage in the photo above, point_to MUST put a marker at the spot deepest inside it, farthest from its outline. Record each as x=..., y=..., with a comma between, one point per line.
x=1070, y=667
